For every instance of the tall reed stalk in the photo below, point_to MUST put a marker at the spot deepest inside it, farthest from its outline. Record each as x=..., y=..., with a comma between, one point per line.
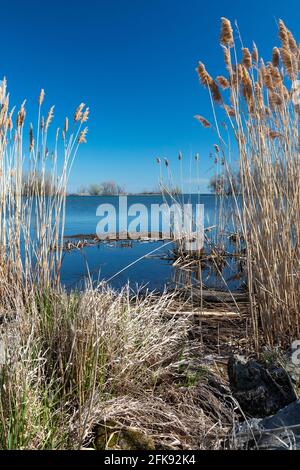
x=262, y=106
x=32, y=225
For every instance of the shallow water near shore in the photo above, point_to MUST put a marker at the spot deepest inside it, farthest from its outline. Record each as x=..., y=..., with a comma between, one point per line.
x=139, y=263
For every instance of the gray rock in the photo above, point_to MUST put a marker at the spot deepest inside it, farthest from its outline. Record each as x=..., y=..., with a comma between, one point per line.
x=260, y=391
x=278, y=432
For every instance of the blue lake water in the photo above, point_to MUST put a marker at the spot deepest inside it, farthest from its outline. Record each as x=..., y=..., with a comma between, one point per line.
x=138, y=263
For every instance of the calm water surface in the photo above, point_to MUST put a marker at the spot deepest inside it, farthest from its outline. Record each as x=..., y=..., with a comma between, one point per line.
x=110, y=260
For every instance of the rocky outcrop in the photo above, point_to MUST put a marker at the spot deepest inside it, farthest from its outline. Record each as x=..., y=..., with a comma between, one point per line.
x=278, y=432
x=260, y=390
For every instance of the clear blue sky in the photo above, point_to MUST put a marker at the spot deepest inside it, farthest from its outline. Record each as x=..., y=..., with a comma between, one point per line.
x=133, y=62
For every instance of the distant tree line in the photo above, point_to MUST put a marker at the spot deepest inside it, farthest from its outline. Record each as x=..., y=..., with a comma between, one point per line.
x=106, y=188
x=34, y=183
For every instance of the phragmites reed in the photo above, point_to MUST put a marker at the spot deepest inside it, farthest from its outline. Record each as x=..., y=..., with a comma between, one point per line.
x=275, y=57
x=49, y=117
x=283, y=34
x=31, y=139
x=215, y=91
x=227, y=59
x=41, y=97
x=224, y=83
x=247, y=59
x=21, y=116
x=78, y=112
x=204, y=76
x=32, y=192
x=205, y=123
x=226, y=36
x=263, y=115
x=287, y=60
x=255, y=53
x=82, y=136
x=85, y=115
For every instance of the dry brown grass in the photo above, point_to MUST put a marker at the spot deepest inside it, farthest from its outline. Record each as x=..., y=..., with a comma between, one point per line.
x=74, y=361
x=262, y=110
x=31, y=227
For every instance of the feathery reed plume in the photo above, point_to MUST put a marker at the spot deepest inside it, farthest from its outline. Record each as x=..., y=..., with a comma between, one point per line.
x=203, y=121
x=246, y=84
x=283, y=34
x=78, y=112
x=226, y=36
x=274, y=100
x=31, y=139
x=217, y=97
x=229, y=110
x=41, y=96
x=21, y=116
x=247, y=59
x=49, y=117
x=288, y=62
x=82, y=136
x=158, y=160
x=292, y=43
x=285, y=93
x=259, y=96
x=204, y=76
x=267, y=79
x=275, y=56
x=197, y=157
x=275, y=134
x=9, y=123
x=180, y=156
x=66, y=127
x=227, y=59
x=224, y=83
x=85, y=115
x=275, y=74
x=255, y=53
x=166, y=162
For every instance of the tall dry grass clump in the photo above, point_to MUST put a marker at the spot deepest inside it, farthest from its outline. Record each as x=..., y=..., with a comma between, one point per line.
x=33, y=182
x=261, y=101
x=73, y=362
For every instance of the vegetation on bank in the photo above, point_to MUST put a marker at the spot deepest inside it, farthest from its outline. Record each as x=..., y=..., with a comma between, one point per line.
x=107, y=188
x=260, y=102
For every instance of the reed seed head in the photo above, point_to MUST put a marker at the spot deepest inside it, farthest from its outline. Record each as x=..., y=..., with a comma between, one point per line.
x=205, y=123
x=255, y=53
x=226, y=36
x=224, y=83
x=41, y=96
x=275, y=57
x=247, y=59
x=82, y=136
x=204, y=76
x=31, y=139
x=49, y=117
x=85, y=115
x=78, y=112
x=66, y=126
